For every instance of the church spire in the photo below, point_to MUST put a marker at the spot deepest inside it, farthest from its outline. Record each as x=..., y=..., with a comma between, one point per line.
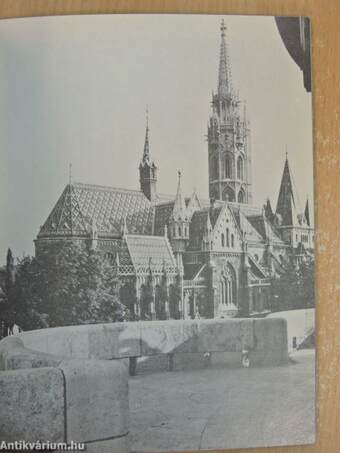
x=147, y=168
x=224, y=73
x=146, y=153
x=179, y=211
x=286, y=203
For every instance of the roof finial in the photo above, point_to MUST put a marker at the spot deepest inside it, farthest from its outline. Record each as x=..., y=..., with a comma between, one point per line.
x=286, y=151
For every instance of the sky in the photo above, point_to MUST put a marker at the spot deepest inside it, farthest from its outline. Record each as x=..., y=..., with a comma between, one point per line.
x=74, y=89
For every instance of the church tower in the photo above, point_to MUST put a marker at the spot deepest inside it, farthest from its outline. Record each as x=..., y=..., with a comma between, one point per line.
x=228, y=139
x=148, y=170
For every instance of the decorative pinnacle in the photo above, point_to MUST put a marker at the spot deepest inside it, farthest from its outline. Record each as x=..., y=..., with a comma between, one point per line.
x=223, y=28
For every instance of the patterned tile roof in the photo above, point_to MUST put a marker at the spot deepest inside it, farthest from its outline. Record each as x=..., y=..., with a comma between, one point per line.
x=149, y=252
x=82, y=205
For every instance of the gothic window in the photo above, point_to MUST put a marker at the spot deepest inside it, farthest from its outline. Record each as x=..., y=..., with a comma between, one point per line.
x=222, y=240
x=228, y=166
x=227, y=236
x=232, y=241
x=228, y=286
x=240, y=168
x=179, y=231
x=241, y=196
x=214, y=167
x=229, y=194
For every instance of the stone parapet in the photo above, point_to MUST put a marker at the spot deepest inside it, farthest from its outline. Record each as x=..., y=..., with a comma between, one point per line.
x=265, y=339
x=48, y=398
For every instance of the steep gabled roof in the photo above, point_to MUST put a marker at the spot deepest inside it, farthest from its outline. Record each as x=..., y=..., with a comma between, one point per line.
x=198, y=224
x=83, y=205
x=246, y=227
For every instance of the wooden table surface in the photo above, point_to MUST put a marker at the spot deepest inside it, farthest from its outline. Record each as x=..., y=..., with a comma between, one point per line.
x=325, y=16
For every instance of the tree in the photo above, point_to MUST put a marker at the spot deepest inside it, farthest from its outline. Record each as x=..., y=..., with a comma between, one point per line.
x=73, y=286
x=294, y=288
x=82, y=287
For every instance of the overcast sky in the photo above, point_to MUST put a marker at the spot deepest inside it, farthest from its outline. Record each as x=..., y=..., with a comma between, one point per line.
x=74, y=89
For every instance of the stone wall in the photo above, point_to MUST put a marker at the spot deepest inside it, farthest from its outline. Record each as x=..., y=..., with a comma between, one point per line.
x=48, y=398
x=265, y=339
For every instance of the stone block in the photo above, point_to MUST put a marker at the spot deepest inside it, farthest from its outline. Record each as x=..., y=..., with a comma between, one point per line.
x=230, y=335
x=271, y=344
x=32, y=405
x=97, y=402
x=68, y=341
x=164, y=337
x=115, y=340
x=14, y=356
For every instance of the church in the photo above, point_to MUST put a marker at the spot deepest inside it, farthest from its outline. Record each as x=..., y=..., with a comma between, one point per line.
x=181, y=257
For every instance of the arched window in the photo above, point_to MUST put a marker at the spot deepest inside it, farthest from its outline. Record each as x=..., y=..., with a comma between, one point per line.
x=228, y=166
x=179, y=231
x=232, y=241
x=228, y=286
x=229, y=194
x=214, y=167
x=227, y=236
x=222, y=240
x=241, y=196
x=240, y=168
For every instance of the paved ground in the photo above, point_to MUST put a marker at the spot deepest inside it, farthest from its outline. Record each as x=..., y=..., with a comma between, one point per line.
x=224, y=407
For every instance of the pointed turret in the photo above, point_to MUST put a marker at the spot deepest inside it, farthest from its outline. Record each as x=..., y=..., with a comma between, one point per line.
x=286, y=211
x=147, y=169
x=179, y=211
x=224, y=73
x=179, y=223
x=307, y=215
x=268, y=212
